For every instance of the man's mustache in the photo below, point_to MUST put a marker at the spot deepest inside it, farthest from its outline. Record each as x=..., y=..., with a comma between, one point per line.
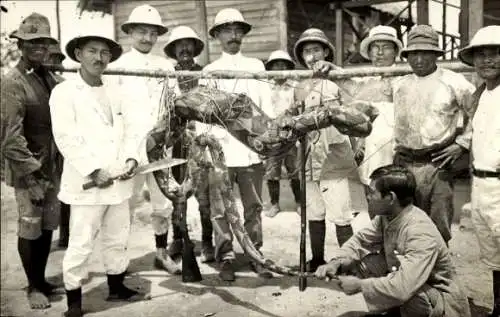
x=234, y=42
x=98, y=64
x=186, y=52
x=147, y=43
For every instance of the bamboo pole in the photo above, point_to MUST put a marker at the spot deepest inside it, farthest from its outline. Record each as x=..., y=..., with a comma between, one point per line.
x=350, y=72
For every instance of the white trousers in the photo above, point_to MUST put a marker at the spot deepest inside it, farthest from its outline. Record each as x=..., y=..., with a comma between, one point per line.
x=485, y=216
x=85, y=222
x=336, y=200
x=161, y=217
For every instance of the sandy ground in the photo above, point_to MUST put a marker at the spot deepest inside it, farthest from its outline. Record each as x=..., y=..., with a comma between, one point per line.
x=247, y=296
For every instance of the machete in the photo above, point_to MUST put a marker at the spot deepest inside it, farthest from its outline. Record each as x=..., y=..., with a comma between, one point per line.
x=147, y=168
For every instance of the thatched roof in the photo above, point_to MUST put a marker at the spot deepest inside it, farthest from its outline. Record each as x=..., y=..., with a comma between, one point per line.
x=103, y=6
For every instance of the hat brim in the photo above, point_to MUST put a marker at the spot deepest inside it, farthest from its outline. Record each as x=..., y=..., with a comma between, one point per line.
x=268, y=64
x=169, y=49
x=127, y=25
x=32, y=36
x=421, y=47
x=297, y=50
x=364, y=47
x=246, y=27
x=466, y=54
x=115, y=48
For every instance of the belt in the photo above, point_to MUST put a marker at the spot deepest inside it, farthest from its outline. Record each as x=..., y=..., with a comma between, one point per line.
x=485, y=174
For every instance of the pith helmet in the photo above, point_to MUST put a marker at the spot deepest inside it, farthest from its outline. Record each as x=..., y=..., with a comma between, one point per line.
x=280, y=55
x=379, y=33
x=114, y=47
x=34, y=26
x=147, y=15
x=179, y=33
x=226, y=16
x=422, y=38
x=312, y=35
x=487, y=36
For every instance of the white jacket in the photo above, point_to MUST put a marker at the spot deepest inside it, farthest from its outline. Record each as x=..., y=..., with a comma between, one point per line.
x=88, y=140
x=147, y=91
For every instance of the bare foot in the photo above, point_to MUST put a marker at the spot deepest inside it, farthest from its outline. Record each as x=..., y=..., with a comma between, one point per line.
x=38, y=300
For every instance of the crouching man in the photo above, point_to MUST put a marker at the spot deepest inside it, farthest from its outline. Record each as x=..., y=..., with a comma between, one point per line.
x=401, y=262
x=94, y=128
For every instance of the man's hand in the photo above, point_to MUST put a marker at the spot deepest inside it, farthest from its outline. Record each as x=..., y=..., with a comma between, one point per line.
x=35, y=188
x=102, y=178
x=448, y=155
x=350, y=284
x=324, y=67
x=328, y=270
x=129, y=170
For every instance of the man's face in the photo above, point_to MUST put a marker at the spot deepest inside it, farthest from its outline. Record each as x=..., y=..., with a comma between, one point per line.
x=423, y=63
x=382, y=53
x=230, y=37
x=35, y=51
x=378, y=205
x=313, y=52
x=487, y=62
x=144, y=37
x=94, y=57
x=279, y=65
x=184, y=50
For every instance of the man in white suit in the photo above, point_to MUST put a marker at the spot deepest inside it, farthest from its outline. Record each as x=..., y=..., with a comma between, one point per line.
x=95, y=129
x=144, y=25
x=245, y=167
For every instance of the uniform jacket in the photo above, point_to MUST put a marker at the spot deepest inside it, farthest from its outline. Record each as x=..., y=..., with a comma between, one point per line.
x=237, y=154
x=27, y=140
x=89, y=139
x=331, y=155
x=428, y=109
x=416, y=254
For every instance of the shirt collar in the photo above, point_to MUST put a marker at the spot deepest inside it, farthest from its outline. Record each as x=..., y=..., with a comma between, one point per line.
x=83, y=84
x=138, y=55
x=231, y=57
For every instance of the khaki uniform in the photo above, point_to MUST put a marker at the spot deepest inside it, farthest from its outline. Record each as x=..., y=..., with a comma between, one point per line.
x=419, y=276
x=28, y=146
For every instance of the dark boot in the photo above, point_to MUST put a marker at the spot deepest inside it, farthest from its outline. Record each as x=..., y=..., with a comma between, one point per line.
x=344, y=233
x=119, y=292
x=64, y=226
x=295, y=184
x=74, y=300
x=317, y=232
x=496, y=294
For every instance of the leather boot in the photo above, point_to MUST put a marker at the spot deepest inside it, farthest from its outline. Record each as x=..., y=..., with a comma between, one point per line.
x=119, y=292
x=74, y=300
x=317, y=232
x=344, y=233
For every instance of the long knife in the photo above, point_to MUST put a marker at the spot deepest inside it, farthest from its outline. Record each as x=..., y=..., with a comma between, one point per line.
x=146, y=168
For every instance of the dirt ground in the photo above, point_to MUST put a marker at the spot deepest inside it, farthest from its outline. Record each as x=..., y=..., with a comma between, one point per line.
x=247, y=296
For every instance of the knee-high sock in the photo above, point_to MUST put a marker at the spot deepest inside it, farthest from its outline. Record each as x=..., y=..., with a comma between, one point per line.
x=274, y=191
x=206, y=225
x=295, y=184
x=317, y=232
x=161, y=240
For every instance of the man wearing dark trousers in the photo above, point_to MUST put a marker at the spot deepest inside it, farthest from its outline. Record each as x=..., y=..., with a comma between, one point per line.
x=30, y=153
x=184, y=45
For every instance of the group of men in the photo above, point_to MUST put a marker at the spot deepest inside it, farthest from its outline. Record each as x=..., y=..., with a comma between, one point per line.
x=57, y=135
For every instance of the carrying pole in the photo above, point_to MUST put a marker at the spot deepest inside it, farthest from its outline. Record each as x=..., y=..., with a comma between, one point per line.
x=303, y=219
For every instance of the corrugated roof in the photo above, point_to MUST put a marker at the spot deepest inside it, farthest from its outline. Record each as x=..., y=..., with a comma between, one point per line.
x=396, y=7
